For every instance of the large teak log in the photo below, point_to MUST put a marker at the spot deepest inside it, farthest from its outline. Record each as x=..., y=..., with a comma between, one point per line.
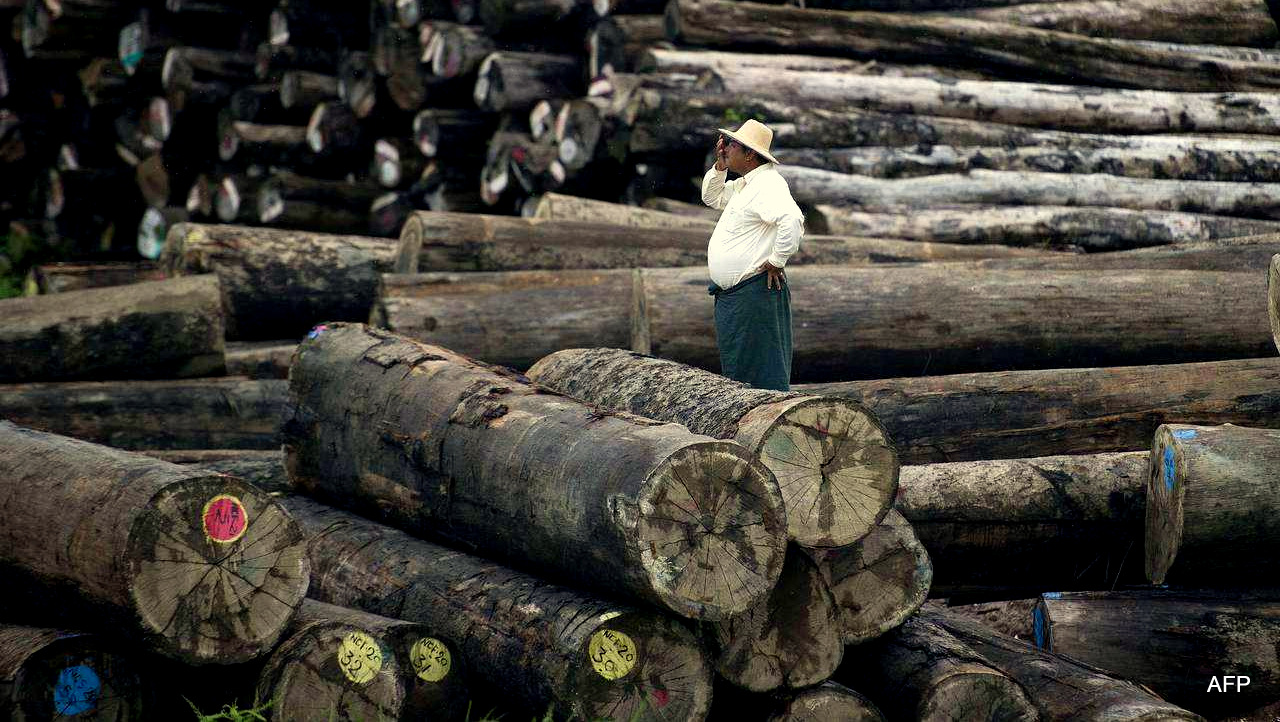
x=529, y=476
x=55, y=674
x=1211, y=496
x=155, y=329
x=835, y=465
x=204, y=567
x=524, y=639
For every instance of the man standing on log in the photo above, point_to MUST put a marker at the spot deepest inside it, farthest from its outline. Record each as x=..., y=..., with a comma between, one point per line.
x=760, y=228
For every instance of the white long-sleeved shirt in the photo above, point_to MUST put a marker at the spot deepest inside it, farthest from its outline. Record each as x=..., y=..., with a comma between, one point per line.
x=760, y=222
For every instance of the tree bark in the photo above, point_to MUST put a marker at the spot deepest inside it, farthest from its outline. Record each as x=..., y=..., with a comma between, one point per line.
x=191, y=414
x=1209, y=498
x=272, y=61
x=66, y=276
x=453, y=134
x=1092, y=228
x=263, y=468
x=1233, y=22
x=1176, y=643
x=828, y=702
x=1062, y=688
x=1047, y=523
x=985, y=321
x=788, y=640
x=1273, y=298
x=357, y=665
x=947, y=40
x=508, y=81
x=670, y=205
x=561, y=207
x=834, y=463
x=277, y=283
x=307, y=89
x=156, y=329
x=920, y=671
x=456, y=50
x=529, y=641
x=203, y=567
x=511, y=457
x=1015, y=188
x=49, y=673
x=1011, y=414
x=879, y=581
x=250, y=143
x=1011, y=618
x=663, y=60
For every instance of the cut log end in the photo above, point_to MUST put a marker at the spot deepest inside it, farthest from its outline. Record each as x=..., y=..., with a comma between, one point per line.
x=836, y=468
x=642, y=667
x=334, y=668
x=77, y=674
x=217, y=570
x=829, y=702
x=1164, y=503
x=975, y=692
x=711, y=531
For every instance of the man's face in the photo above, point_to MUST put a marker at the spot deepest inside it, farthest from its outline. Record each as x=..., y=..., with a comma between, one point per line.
x=735, y=155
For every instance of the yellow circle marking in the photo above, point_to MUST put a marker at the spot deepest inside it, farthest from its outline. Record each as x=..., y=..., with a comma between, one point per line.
x=359, y=657
x=431, y=659
x=612, y=653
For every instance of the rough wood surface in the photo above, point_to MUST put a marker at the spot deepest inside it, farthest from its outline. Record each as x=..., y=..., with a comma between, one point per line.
x=1090, y=227
x=216, y=413
x=677, y=519
x=920, y=671
x=359, y=665
x=878, y=581
x=1211, y=495
x=1047, y=523
x=1009, y=414
x=853, y=323
x=264, y=468
x=509, y=81
x=154, y=329
x=828, y=702
x=75, y=276
x=677, y=60
x=835, y=465
x=561, y=207
x=278, y=283
x=1175, y=643
x=261, y=359
x=1012, y=618
x=1273, y=298
x=789, y=640
x=202, y=567
x=944, y=39
x=1062, y=688
x=531, y=642
x=56, y=674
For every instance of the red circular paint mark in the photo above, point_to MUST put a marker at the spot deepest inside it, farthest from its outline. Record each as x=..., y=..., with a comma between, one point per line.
x=225, y=519
x=661, y=697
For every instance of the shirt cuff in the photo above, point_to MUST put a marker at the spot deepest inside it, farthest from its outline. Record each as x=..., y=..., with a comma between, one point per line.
x=775, y=260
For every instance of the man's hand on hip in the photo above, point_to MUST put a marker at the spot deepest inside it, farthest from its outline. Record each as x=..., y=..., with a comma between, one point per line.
x=776, y=276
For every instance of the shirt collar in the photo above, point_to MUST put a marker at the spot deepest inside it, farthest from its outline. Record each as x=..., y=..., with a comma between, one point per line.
x=746, y=179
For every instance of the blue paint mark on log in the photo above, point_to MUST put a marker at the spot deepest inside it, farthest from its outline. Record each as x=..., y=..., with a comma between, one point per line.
x=1168, y=468
x=1184, y=434
x=76, y=690
x=1052, y=595
x=1040, y=626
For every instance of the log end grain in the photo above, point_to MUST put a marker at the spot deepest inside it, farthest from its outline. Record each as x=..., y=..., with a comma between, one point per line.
x=835, y=465
x=217, y=569
x=411, y=236
x=1165, y=493
x=830, y=702
x=711, y=530
x=51, y=674
x=973, y=691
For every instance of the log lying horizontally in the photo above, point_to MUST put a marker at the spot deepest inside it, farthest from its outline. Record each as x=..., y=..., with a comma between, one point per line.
x=155, y=329
x=530, y=641
x=1054, y=522
x=904, y=320
x=920, y=671
x=53, y=673
x=1211, y=498
x=359, y=665
x=1273, y=298
x=261, y=359
x=835, y=465
x=560, y=207
x=878, y=581
x=277, y=283
x=1016, y=50
x=204, y=567
x=1062, y=688
x=1176, y=643
x=216, y=413
x=1009, y=414
x=72, y=276
x=529, y=475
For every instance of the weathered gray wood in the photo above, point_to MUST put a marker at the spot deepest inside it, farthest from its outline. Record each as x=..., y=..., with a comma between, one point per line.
x=526, y=475
x=676, y=60
x=507, y=81
x=561, y=207
x=53, y=673
x=1048, y=523
x=530, y=642
x=853, y=323
x=154, y=329
x=878, y=581
x=77, y=276
x=1017, y=50
x=278, y=283
x=1176, y=643
x=835, y=465
x=828, y=702
x=1273, y=298
x=1062, y=688
x=216, y=413
x=1011, y=618
x=263, y=468
x=1009, y=414
x=1211, y=495
x=200, y=566
x=261, y=359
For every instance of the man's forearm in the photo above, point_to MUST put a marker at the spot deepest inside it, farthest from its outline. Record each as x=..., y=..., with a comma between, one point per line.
x=713, y=185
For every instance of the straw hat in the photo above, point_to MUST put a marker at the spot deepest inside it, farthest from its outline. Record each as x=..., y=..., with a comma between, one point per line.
x=756, y=136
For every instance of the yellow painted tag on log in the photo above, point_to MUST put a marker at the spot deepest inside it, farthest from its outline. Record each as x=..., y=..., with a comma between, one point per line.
x=431, y=659
x=613, y=654
x=359, y=657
